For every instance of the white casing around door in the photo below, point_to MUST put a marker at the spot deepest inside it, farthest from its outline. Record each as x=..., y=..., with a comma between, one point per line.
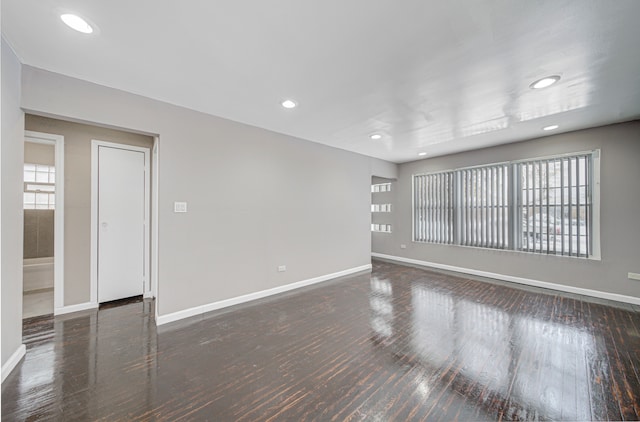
x=121, y=223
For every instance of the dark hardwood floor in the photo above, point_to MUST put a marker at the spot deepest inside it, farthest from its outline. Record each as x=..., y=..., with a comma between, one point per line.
x=399, y=344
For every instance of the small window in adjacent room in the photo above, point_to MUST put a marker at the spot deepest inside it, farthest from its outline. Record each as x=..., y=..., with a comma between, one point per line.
x=381, y=187
x=380, y=207
x=383, y=228
x=39, y=187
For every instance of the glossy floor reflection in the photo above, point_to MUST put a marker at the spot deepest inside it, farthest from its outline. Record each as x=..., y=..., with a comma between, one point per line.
x=398, y=344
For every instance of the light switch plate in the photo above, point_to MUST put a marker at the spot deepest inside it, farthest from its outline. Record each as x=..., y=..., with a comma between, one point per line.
x=282, y=268
x=179, y=207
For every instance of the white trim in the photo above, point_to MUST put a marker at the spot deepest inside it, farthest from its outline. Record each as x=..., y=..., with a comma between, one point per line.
x=75, y=308
x=527, y=281
x=58, y=224
x=595, y=206
x=199, y=310
x=13, y=361
x=95, y=144
x=154, y=218
x=93, y=279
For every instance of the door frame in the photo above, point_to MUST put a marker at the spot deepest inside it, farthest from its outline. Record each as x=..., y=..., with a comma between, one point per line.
x=95, y=145
x=58, y=220
x=154, y=221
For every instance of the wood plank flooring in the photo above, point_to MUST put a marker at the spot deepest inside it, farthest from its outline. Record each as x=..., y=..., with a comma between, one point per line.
x=398, y=344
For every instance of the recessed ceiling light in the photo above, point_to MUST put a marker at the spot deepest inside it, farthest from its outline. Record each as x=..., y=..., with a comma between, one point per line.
x=289, y=104
x=77, y=23
x=552, y=127
x=375, y=136
x=422, y=154
x=545, y=82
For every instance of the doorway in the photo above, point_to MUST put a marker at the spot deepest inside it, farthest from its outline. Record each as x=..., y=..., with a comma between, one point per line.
x=120, y=221
x=43, y=221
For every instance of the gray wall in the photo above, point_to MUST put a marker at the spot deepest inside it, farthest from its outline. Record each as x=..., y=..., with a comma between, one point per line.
x=620, y=209
x=38, y=224
x=256, y=199
x=77, y=195
x=384, y=169
x=11, y=156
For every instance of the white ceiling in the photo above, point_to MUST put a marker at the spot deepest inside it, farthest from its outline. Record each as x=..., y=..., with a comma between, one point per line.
x=432, y=76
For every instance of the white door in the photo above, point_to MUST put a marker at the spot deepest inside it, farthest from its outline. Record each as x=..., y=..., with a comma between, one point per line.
x=121, y=223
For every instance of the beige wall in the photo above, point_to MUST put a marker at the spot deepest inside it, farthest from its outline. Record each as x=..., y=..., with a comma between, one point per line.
x=77, y=194
x=38, y=234
x=35, y=153
x=619, y=208
x=12, y=159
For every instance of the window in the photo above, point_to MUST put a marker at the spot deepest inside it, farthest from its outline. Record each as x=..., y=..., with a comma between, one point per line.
x=539, y=206
x=554, y=203
x=39, y=187
x=433, y=211
x=384, y=228
x=484, y=206
x=381, y=187
x=380, y=207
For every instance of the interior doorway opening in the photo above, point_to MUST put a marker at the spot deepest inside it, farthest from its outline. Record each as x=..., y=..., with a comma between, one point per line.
x=42, y=196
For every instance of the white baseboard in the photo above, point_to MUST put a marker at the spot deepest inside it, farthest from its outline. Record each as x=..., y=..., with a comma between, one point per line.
x=527, y=281
x=75, y=308
x=199, y=310
x=147, y=295
x=13, y=361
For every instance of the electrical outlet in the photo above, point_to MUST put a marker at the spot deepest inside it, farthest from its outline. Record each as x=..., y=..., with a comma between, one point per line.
x=282, y=268
x=634, y=276
x=403, y=246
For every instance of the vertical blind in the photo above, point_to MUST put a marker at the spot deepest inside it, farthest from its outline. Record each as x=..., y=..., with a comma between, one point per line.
x=433, y=214
x=541, y=206
x=484, y=205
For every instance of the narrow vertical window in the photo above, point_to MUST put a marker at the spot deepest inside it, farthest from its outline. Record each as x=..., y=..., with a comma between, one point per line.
x=483, y=204
x=433, y=207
